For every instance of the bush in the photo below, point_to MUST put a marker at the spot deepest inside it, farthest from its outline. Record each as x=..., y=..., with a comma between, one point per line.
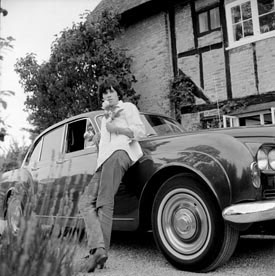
x=34, y=252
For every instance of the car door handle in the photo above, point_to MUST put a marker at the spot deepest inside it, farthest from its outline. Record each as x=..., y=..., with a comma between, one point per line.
x=34, y=168
x=61, y=161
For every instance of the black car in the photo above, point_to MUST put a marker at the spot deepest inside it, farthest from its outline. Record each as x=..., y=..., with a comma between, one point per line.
x=196, y=191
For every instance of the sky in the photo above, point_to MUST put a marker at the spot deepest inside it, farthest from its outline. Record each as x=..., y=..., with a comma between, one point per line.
x=33, y=24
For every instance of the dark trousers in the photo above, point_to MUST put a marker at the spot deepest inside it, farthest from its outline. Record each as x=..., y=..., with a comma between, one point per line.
x=96, y=205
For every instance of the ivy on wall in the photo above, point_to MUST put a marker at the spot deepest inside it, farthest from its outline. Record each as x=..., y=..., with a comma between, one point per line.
x=183, y=92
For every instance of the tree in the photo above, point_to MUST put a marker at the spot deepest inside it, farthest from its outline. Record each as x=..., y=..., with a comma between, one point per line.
x=5, y=43
x=13, y=158
x=81, y=57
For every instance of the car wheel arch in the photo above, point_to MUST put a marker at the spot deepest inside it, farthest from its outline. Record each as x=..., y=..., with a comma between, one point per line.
x=9, y=193
x=160, y=177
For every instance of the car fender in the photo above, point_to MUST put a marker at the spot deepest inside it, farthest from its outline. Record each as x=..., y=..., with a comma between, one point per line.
x=221, y=161
x=15, y=182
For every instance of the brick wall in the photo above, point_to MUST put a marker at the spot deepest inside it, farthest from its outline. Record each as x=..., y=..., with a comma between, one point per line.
x=214, y=75
x=242, y=71
x=148, y=43
x=190, y=66
x=265, y=53
x=184, y=28
x=209, y=39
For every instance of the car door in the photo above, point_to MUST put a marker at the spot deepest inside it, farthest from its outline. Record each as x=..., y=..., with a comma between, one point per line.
x=77, y=165
x=45, y=171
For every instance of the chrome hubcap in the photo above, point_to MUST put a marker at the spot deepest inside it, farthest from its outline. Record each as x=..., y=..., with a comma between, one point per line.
x=184, y=223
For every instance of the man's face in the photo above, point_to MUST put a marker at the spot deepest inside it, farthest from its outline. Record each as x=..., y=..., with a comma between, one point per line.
x=111, y=96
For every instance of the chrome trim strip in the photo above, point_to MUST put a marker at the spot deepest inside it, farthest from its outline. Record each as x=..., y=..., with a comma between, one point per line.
x=250, y=212
x=76, y=217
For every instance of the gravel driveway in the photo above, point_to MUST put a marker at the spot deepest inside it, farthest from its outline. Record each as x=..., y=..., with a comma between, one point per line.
x=137, y=255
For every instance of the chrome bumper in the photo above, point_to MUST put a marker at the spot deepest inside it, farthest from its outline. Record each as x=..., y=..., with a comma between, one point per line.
x=250, y=212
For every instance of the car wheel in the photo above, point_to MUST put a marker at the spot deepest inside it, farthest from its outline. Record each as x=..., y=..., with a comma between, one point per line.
x=14, y=215
x=188, y=226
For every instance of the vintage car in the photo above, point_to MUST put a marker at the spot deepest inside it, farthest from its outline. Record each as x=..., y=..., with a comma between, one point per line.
x=196, y=191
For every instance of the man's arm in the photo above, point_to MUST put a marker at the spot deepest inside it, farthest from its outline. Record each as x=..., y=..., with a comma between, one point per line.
x=112, y=128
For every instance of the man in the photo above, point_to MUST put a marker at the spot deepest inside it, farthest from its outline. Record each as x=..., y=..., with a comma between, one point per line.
x=121, y=128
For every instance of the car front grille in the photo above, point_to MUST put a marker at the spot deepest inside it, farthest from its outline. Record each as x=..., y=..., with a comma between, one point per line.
x=269, y=193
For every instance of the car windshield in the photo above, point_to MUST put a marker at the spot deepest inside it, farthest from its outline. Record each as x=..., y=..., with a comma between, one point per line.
x=156, y=125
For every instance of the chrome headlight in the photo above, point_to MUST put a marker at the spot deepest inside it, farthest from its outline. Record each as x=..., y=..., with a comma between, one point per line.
x=262, y=159
x=271, y=159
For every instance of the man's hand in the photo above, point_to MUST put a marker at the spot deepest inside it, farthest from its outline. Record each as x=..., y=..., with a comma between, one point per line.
x=96, y=138
x=111, y=127
x=88, y=136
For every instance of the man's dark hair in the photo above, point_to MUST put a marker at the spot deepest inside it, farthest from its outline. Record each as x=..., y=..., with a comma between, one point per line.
x=107, y=83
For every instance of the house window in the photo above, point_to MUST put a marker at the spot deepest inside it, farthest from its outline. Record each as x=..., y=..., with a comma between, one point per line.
x=209, y=21
x=250, y=20
x=265, y=117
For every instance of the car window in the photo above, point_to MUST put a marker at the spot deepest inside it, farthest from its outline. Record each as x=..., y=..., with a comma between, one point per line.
x=158, y=125
x=52, y=144
x=155, y=125
x=34, y=153
x=89, y=132
x=75, y=135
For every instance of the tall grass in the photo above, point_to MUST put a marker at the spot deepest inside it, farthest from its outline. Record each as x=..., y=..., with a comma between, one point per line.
x=34, y=251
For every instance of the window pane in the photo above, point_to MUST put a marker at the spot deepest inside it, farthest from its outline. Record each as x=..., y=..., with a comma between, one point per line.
x=75, y=136
x=203, y=22
x=236, y=14
x=157, y=125
x=246, y=11
x=248, y=28
x=267, y=119
x=265, y=6
x=52, y=144
x=267, y=22
x=215, y=18
x=238, y=31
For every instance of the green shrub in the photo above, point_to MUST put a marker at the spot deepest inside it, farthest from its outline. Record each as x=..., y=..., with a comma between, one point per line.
x=34, y=252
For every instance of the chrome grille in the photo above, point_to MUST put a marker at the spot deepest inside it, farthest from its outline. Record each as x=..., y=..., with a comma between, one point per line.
x=269, y=193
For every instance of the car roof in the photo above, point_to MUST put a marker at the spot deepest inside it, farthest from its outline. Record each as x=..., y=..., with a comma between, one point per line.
x=91, y=115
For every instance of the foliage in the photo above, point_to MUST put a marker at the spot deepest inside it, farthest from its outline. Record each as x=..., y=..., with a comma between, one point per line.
x=183, y=91
x=81, y=57
x=14, y=157
x=34, y=252
x=5, y=43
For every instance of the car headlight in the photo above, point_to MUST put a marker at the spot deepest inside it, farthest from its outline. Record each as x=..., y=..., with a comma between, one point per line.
x=262, y=159
x=271, y=159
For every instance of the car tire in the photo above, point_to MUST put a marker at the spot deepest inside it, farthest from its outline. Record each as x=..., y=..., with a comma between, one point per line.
x=188, y=226
x=14, y=215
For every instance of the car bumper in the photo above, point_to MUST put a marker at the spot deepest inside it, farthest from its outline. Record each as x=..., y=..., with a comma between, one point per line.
x=250, y=212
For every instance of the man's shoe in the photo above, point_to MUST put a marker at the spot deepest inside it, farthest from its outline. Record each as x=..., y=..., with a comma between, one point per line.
x=98, y=259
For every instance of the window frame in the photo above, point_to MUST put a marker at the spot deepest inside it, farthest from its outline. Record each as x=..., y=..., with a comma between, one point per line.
x=60, y=146
x=257, y=36
x=85, y=148
x=207, y=10
x=234, y=121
